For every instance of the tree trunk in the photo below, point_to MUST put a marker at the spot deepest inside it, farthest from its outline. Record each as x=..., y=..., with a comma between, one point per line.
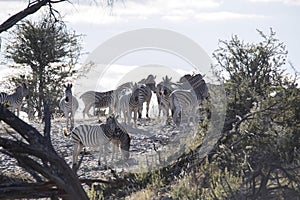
x=37, y=155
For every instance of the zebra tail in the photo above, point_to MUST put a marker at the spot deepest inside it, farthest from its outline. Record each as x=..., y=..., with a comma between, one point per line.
x=66, y=133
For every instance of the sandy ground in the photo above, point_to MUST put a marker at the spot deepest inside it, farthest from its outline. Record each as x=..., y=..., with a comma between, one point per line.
x=153, y=144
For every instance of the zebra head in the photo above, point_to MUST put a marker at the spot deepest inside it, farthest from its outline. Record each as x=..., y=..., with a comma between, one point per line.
x=112, y=123
x=23, y=90
x=150, y=79
x=185, y=78
x=68, y=92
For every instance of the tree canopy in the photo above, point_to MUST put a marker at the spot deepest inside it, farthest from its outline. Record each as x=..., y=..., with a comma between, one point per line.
x=262, y=140
x=51, y=51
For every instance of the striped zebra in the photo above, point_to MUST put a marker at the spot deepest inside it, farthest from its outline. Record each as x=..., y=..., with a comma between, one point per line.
x=123, y=105
x=15, y=100
x=183, y=104
x=163, y=91
x=69, y=104
x=147, y=86
x=97, y=100
x=121, y=139
x=99, y=136
x=124, y=89
x=134, y=103
x=197, y=83
x=192, y=90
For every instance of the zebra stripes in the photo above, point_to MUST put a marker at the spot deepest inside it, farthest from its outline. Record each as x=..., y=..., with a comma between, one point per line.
x=163, y=91
x=97, y=100
x=15, y=100
x=99, y=136
x=145, y=94
x=69, y=104
x=192, y=90
x=121, y=137
x=183, y=103
x=123, y=106
x=198, y=84
x=135, y=103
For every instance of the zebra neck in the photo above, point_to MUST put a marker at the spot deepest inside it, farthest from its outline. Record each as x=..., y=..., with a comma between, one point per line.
x=107, y=131
x=16, y=96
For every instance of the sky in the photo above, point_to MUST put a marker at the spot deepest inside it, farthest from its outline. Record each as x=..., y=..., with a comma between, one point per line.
x=203, y=21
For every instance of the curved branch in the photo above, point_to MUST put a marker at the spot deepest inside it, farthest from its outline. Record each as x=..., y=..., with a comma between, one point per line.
x=31, y=8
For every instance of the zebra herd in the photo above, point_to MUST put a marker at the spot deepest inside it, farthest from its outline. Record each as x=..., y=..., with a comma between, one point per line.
x=179, y=98
x=182, y=98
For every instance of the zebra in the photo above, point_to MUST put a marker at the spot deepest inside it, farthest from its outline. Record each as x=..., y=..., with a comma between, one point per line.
x=191, y=92
x=121, y=139
x=69, y=104
x=99, y=136
x=124, y=89
x=147, y=86
x=15, y=100
x=163, y=91
x=183, y=103
x=97, y=99
x=123, y=105
x=197, y=83
x=134, y=103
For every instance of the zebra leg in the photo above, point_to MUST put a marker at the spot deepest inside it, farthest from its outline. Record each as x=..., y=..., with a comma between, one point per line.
x=134, y=117
x=140, y=110
x=147, y=109
x=18, y=110
x=177, y=117
x=86, y=110
x=83, y=112
x=67, y=118
x=159, y=106
x=115, y=149
x=159, y=110
x=72, y=121
x=103, y=149
x=100, y=153
x=76, y=151
x=129, y=114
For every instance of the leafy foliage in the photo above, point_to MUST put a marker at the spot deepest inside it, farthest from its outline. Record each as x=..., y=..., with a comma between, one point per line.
x=263, y=140
x=258, y=156
x=51, y=51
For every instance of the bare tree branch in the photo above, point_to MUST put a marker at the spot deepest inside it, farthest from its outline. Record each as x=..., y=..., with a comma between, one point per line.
x=31, y=8
x=37, y=154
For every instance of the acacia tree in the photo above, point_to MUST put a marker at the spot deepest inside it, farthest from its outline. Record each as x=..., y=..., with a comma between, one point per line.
x=261, y=142
x=51, y=51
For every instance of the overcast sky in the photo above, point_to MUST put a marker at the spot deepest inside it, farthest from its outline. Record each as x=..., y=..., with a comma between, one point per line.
x=204, y=21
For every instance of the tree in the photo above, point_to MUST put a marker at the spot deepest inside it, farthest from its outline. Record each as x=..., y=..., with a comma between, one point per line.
x=35, y=154
x=51, y=51
x=261, y=142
